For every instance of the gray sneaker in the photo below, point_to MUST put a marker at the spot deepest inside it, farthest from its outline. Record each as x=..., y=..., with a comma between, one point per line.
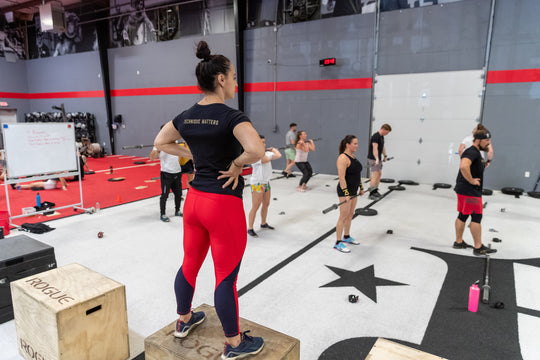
x=483, y=251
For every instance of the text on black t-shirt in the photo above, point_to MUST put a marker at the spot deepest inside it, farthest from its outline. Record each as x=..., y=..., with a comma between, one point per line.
x=208, y=131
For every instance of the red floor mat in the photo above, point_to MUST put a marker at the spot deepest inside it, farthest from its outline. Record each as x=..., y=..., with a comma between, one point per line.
x=141, y=182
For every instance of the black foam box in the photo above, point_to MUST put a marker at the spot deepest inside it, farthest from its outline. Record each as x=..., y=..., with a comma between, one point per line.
x=20, y=256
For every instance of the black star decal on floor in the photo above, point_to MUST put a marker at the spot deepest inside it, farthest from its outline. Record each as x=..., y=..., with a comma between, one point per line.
x=364, y=280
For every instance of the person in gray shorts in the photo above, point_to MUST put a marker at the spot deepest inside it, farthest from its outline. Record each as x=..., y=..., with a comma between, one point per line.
x=290, y=151
x=374, y=161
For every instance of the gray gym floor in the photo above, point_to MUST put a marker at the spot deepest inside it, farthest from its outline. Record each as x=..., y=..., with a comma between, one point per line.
x=398, y=281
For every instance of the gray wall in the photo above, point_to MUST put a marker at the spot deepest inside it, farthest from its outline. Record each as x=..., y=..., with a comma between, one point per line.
x=13, y=80
x=69, y=73
x=447, y=37
x=294, y=51
x=511, y=110
x=162, y=64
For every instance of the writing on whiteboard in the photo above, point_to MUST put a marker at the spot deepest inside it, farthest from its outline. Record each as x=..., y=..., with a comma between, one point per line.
x=38, y=138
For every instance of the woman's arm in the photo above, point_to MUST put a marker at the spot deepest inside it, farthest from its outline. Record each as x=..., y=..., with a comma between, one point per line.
x=276, y=152
x=311, y=145
x=275, y=155
x=166, y=141
x=302, y=146
x=154, y=154
x=342, y=164
x=248, y=137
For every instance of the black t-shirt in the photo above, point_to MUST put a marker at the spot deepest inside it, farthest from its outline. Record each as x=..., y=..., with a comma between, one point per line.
x=208, y=131
x=379, y=139
x=463, y=187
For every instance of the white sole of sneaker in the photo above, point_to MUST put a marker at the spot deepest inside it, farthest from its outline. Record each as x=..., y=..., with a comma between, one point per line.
x=183, y=335
x=223, y=357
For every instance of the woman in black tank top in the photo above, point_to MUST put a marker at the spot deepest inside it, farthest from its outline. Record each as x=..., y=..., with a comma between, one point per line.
x=349, y=169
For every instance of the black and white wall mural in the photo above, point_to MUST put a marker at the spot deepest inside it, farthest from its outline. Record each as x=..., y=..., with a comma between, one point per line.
x=11, y=40
x=136, y=22
x=75, y=38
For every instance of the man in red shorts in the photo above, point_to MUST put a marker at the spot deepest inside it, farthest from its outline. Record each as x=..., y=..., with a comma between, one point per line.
x=469, y=193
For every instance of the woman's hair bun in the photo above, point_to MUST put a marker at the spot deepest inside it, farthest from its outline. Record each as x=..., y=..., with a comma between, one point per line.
x=203, y=51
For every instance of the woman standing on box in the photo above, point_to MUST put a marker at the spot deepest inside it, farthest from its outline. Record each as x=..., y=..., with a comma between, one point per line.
x=213, y=212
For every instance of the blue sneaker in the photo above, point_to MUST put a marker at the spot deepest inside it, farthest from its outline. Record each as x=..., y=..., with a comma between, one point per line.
x=341, y=247
x=183, y=329
x=250, y=345
x=350, y=240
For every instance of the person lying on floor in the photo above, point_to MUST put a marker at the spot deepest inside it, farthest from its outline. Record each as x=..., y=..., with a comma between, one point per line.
x=49, y=184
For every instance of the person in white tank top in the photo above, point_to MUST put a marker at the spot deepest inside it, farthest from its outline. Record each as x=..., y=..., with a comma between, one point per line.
x=303, y=147
x=260, y=188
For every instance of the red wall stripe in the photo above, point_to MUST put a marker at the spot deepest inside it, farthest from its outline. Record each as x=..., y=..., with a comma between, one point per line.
x=258, y=87
x=12, y=95
x=53, y=95
x=513, y=76
x=493, y=77
x=68, y=94
x=308, y=85
x=171, y=90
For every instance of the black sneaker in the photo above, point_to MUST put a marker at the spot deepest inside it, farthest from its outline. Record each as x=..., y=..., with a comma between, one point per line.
x=178, y=213
x=183, y=329
x=249, y=346
x=291, y=175
x=284, y=173
x=374, y=195
x=266, y=226
x=461, y=245
x=164, y=218
x=483, y=251
x=251, y=232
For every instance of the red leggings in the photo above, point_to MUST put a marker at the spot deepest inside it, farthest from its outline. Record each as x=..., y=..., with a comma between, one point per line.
x=217, y=222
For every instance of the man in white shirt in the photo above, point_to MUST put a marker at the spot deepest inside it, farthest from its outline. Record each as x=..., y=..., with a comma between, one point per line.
x=260, y=188
x=171, y=179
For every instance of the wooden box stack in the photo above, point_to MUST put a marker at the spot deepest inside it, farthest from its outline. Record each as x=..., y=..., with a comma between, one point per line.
x=70, y=313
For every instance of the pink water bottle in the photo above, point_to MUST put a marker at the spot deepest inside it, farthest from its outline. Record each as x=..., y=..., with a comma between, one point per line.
x=474, y=296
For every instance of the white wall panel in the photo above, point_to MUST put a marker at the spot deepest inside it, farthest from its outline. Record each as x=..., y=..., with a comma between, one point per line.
x=430, y=113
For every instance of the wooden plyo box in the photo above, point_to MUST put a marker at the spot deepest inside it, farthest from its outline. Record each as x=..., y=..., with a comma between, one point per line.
x=70, y=313
x=389, y=350
x=207, y=341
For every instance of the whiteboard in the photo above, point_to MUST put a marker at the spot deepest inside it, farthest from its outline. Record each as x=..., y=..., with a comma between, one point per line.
x=39, y=148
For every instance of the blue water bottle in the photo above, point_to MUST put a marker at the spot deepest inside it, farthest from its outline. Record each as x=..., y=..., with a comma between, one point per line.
x=38, y=200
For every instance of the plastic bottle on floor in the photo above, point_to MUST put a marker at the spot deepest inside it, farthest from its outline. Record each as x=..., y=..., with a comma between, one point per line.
x=474, y=296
